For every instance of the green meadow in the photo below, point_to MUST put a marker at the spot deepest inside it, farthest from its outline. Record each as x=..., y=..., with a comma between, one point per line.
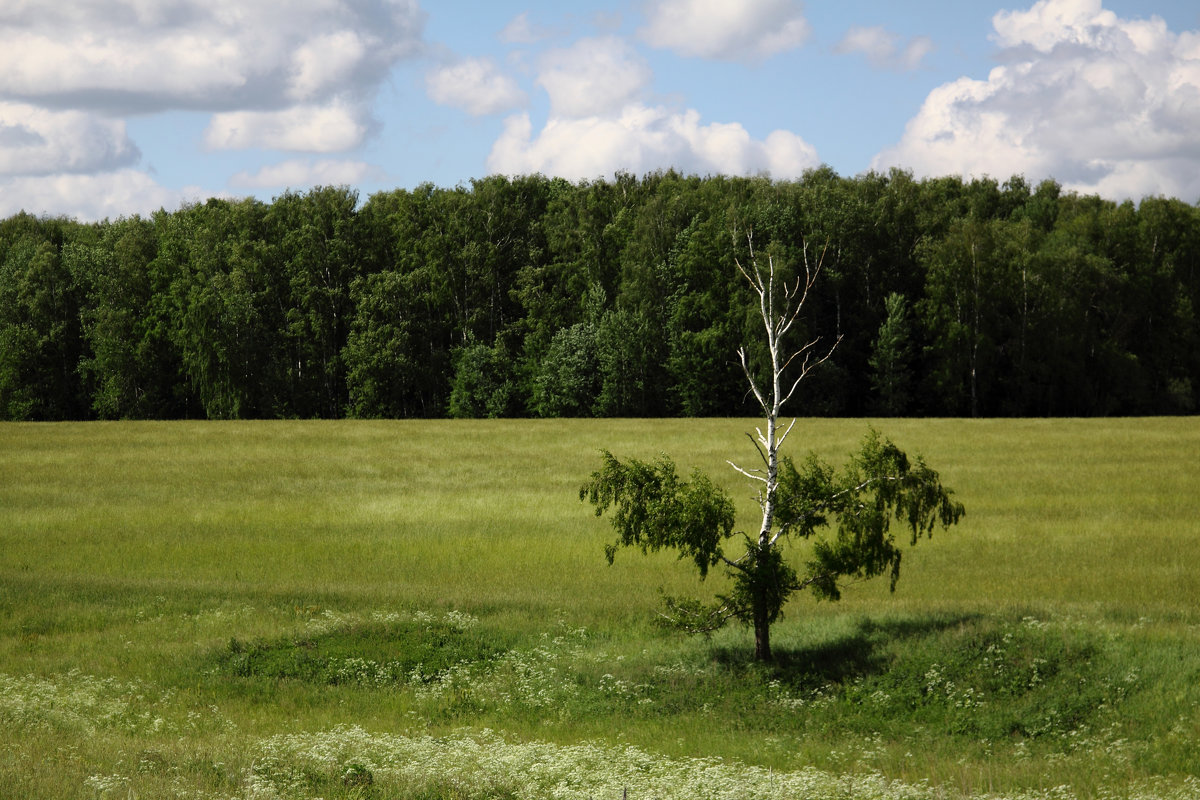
x=422, y=610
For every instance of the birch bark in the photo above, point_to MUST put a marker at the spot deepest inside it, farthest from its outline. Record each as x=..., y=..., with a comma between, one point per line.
x=779, y=308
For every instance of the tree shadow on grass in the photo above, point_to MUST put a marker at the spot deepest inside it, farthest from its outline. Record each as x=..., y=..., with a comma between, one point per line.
x=861, y=652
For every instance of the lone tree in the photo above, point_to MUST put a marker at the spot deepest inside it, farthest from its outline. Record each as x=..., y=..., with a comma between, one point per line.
x=846, y=515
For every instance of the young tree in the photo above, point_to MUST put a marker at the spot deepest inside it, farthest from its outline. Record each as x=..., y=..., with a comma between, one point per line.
x=891, y=360
x=654, y=509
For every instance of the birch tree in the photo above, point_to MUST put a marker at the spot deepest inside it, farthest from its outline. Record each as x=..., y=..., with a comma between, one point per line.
x=845, y=517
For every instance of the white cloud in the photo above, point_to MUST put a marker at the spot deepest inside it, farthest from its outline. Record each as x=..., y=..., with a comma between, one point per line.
x=641, y=139
x=1100, y=103
x=297, y=79
x=297, y=173
x=90, y=197
x=200, y=54
x=325, y=64
x=748, y=30
x=1049, y=24
x=521, y=31
x=307, y=128
x=36, y=141
x=299, y=76
x=475, y=85
x=594, y=76
x=882, y=47
x=600, y=122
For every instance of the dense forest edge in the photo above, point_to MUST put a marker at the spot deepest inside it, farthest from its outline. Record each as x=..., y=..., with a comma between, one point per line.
x=533, y=296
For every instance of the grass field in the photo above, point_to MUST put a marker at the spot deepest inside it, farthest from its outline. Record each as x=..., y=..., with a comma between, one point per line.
x=422, y=610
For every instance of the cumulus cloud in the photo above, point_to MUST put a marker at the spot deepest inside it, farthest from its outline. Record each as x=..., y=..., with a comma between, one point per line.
x=326, y=64
x=1101, y=103
x=316, y=129
x=883, y=49
x=594, y=76
x=37, y=141
x=122, y=55
x=748, y=31
x=90, y=197
x=600, y=121
x=298, y=78
x=475, y=85
x=642, y=139
x=296, y=173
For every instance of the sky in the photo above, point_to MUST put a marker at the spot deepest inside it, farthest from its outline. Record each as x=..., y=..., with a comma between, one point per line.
x=110, y=108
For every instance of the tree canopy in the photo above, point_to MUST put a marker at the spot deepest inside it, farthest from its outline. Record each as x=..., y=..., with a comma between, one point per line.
x=533, y=296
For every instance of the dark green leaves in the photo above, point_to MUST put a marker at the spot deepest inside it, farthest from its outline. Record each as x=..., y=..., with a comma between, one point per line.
x=847, y=516
x=954, y=297
x=879, y=485
x=653, y=509
x=762, y=583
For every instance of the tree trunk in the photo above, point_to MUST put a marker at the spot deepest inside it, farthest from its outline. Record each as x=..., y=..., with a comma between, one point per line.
x=762, y=635
x=776, y=323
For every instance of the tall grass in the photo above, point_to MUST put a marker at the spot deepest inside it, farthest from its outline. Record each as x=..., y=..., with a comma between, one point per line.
x=174, y=597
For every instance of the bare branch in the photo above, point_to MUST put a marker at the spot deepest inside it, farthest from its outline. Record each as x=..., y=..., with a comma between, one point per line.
x=755, y=281
x=762, y=439
x=802, y=351
x=824, y=576
x=807, y=367
x=784, y=435
x=750, y=378
x=752, y=474
x=788, y=319
x=761, y=454
x=735, y=563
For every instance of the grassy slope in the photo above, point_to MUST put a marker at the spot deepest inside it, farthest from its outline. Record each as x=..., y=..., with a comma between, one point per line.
x=137, y=553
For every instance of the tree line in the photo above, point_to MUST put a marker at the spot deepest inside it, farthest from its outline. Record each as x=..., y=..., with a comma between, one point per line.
x=533, y=296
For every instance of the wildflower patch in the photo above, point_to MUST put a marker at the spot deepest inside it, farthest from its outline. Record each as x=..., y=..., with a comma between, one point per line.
x=482, y=764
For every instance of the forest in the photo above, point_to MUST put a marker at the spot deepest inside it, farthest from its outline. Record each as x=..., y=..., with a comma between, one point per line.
x=539, y=297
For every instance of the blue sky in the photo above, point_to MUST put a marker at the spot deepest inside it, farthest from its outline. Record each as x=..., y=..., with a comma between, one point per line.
x=115, y=107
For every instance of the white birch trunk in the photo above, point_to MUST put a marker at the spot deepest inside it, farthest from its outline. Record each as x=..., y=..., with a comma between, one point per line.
x=778, y=316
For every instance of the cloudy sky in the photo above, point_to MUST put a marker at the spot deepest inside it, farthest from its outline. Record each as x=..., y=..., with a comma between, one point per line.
x=116, y=107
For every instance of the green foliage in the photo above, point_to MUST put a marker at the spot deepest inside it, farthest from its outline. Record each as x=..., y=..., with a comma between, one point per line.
x=126, y=323
x=653, y=509
x=40, y=336
x=891, y=359
x=357, y=654
x=568, y=379
x=880, y=485
x=626, y=364
x=389, y=371
x=952, y=297
x=319, y=255
x=763, y=582
x=484, y=385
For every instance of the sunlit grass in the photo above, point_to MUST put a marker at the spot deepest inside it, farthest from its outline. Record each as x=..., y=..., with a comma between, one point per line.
x=139, y=560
